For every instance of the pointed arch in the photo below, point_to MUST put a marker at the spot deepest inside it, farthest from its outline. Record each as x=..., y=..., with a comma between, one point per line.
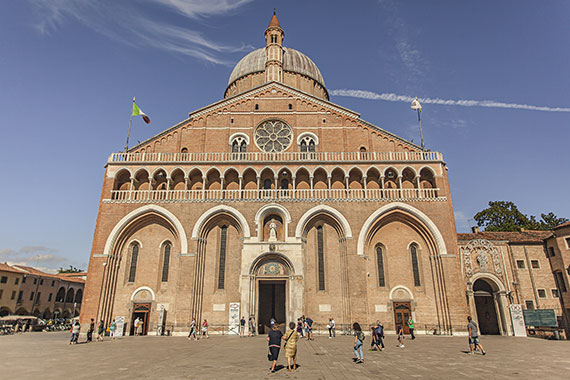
x=139, y=212
x=327, y=210
x=221, y=209
x=266, y=210
x=382, y=211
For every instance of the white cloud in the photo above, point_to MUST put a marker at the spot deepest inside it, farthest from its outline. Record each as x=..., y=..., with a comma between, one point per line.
x=390, y=97
x=39, y=257
x=125, y=22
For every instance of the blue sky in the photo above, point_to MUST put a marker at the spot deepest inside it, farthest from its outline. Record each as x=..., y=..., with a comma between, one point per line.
x=69, y=69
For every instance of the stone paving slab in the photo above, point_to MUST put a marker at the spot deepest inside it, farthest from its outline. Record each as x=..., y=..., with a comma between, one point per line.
x=48, y=356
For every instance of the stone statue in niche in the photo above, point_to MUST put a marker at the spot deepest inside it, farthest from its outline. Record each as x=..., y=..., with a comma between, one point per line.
x=272, y=231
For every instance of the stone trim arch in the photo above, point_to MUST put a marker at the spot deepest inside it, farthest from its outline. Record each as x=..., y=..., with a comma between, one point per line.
x=395, y=288
x=326, y=210
x=267, y=256
x=494, y=280
x=216, y=210
x=239, y=134
x=133, y=294
x=404, y=207
x=139, y=212
x=134, y=241
x=264, y=210
x=120, y=171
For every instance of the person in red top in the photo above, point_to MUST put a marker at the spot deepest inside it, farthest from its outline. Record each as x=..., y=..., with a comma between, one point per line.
x=205, y=328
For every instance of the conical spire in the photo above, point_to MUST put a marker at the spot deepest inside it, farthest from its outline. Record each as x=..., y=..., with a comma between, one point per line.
x=274, y=22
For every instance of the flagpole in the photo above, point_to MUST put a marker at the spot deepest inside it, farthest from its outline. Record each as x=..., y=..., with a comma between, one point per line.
x=421, y=132
x=129, y=133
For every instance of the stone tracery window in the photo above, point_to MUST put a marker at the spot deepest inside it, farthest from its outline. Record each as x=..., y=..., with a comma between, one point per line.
x=273, y=136
x=239, y=143
x=307, y=142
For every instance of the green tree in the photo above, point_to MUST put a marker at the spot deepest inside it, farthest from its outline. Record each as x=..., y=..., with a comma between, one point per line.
x=505, y=216
x=71, y=269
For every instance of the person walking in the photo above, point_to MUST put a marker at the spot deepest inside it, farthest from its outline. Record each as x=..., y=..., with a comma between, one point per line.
x=380, y=334
x=291, y=346
x=474, y=337
x=100, y=331
x=300, y=327
x=310, y=335
x=358, y=342
x=411, y=326
x=331, y=326
x=374, y=338
x=193, y=333
x=242, y=326
x=400, y=335
x=205, y=328
x=251, y=326
x=75, y=332
x=136, y=326
x=112, y=328
x=90, y=331
x=274, y=343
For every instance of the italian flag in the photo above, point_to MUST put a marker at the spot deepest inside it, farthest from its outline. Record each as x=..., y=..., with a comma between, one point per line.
x=137, y=112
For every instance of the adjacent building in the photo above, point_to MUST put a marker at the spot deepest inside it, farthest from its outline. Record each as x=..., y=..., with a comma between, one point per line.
x=29, y=291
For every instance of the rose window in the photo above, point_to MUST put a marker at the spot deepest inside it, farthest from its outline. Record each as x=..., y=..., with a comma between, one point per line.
x=273, y=136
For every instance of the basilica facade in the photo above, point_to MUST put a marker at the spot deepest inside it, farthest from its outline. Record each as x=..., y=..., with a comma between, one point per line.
x=274, y=203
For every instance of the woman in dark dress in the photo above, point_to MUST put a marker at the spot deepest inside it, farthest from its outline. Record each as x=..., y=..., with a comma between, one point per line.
x=274, y=342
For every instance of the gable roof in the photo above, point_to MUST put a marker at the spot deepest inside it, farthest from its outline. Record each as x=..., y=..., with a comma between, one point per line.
x=567, y=224
x=324, y=103
x=511, y=237
x=60, y=276
x=5, y=267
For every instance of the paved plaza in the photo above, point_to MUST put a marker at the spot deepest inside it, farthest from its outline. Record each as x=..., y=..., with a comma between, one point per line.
x=48, y=356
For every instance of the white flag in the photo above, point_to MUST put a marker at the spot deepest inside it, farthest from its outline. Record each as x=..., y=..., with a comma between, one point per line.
x=416, y=106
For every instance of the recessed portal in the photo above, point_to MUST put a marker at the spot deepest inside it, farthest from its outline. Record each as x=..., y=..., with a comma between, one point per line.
x=271, y=304
x=486, y=308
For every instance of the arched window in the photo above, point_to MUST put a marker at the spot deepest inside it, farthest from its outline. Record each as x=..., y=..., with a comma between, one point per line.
x=134, y=258
x=307, y=142
x=238, y=143
x=222, y=261
x=380, y=263
x=415, y=267
x=166, y=262
x=320, y=257
x=284, y=184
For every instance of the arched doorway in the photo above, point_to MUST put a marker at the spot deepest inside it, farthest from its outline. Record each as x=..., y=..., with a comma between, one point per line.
x=484, y=293
x=271, y=272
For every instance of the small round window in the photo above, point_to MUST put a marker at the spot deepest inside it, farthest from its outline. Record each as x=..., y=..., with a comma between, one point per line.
x=273, y=136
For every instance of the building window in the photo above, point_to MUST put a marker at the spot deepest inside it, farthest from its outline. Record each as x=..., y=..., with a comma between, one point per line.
x=50, y=296
x=307, y=142
x=520, y=264
x=284, y=184
x=273, y=136
x=321, y=257
x=231, y=120
x=267, y=184
x=535, y=264
x=53, y=283
x=24, y=280
x=362, y=149
x=239, y=145
x=13, y=295
x=134, y=259
x=551, y=251
x=415, y=267
x=542, y=293
x=555, y=293
x=3, y=279
x=184, y=150
x=222, y=267
x=560, y=281
x=41, y=281
x=380, y=263
x=35, y=281
x=290, y=106
x=38, y=297
x=31, y=296
x=165, y=262
x=17, y=281
x=567, y=240
x=257, y=107
x=20, y=296
x=529, y=305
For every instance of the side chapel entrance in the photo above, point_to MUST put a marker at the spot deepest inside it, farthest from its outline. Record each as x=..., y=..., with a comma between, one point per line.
x=142, y=312
x=402, y=312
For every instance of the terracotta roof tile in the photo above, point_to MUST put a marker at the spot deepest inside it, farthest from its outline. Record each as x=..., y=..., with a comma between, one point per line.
x=567, y=224
x=8, y=268
x=513, y=237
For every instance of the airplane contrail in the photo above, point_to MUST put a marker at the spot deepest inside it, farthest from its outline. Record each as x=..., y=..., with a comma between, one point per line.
x=390, y=97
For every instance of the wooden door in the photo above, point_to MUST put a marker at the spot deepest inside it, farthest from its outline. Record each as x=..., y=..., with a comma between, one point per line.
x=142, y=312
x=402, y=313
